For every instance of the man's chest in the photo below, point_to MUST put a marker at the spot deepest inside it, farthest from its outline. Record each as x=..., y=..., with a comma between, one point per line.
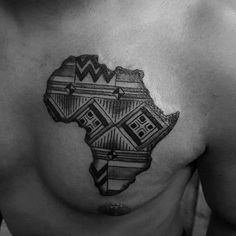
x=127, y=120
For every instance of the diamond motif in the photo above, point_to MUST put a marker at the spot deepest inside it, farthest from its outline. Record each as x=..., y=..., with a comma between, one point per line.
x=70, y=88
x=119, y=92
x=111, y=155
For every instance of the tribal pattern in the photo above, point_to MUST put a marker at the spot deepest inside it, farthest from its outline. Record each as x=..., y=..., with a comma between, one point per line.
x=122, y=123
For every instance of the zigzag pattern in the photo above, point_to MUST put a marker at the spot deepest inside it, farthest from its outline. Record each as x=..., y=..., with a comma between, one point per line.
x=89, y=65
x=97, y=174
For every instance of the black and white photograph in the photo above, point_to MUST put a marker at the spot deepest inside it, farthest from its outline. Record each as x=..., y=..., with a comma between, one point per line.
x=117, y=118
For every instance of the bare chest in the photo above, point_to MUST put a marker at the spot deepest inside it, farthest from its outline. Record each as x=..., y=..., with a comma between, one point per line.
x=109, y=126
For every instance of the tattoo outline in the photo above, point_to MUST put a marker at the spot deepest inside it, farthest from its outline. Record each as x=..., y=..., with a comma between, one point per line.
x=122, y=123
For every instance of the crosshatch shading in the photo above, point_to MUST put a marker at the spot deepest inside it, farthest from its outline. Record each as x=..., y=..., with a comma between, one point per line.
x=122, y=123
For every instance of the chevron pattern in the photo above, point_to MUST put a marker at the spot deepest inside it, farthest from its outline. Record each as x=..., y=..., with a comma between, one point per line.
x=89, y=65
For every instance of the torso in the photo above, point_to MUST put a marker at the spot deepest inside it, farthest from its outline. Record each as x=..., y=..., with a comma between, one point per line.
x=46, y=186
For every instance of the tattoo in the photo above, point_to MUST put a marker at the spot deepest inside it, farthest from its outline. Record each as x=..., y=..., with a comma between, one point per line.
x=122, y=122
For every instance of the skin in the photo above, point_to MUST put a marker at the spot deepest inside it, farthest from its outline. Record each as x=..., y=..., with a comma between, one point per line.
x=187, y=52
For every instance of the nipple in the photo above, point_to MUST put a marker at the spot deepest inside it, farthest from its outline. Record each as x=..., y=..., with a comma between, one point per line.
x=114, y=209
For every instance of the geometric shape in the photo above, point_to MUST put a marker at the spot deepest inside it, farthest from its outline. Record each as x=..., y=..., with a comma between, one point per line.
x=141, y=133
x=92, y=120
x=119, y=92
x=143, y=125
x=65, y=106
x=142, y=119
x=134, y=125
x=112, y=155
x=70, y=88
x=112, y=139
x=117, y=109
x=150, y=127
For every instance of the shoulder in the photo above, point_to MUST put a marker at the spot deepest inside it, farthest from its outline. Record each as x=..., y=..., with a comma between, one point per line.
x=215, y=26
x=215, y=37
x=212, y=36
x=219, y=45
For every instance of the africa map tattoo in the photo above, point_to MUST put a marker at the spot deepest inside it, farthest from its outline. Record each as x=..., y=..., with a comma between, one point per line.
x=122, y=123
